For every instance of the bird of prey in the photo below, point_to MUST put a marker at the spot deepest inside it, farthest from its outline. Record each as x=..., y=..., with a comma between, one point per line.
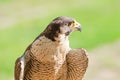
x=49, y=56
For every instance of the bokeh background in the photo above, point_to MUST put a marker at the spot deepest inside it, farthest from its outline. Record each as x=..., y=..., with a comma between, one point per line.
x=22, y=20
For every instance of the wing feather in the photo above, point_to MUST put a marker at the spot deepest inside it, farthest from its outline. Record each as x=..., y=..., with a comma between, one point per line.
x=17, y=69
x=77, y=63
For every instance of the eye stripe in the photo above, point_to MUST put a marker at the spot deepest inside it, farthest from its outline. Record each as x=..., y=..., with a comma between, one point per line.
x=70, y=23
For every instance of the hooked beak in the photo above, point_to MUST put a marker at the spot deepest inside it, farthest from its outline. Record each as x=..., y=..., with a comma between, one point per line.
x=77, y=26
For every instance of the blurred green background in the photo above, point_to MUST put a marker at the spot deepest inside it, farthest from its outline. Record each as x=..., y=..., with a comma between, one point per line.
x=21, y=21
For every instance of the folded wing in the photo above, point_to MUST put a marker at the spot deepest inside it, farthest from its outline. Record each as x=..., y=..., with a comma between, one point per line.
x=77, y=63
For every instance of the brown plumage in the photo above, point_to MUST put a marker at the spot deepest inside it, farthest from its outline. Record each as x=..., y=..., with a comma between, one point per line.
x=49, y=57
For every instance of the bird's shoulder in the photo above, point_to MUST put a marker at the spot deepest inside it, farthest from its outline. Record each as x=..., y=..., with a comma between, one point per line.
x=77, y=54
x=77, y=62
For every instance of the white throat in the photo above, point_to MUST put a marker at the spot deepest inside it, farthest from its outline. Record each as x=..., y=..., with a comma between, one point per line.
x=62, y=39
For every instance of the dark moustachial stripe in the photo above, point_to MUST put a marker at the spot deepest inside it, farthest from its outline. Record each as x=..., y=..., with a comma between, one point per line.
x=52, y=31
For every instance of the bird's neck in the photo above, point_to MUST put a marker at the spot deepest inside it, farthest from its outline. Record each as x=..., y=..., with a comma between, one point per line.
x=62, y=39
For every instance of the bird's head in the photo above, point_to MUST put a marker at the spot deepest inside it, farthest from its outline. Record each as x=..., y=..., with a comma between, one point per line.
x=61, y=27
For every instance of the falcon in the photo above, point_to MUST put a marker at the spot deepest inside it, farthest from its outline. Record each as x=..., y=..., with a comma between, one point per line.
x=49, y=56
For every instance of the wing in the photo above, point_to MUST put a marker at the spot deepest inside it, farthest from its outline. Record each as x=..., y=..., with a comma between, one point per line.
x=19, y=68
x=77, y=62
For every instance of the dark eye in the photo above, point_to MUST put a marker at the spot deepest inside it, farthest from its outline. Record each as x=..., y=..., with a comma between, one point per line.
x=70, y=23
